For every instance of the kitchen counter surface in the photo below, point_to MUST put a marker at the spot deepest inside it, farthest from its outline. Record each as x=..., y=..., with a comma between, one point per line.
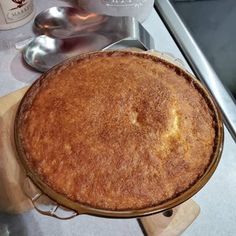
x=216, y=199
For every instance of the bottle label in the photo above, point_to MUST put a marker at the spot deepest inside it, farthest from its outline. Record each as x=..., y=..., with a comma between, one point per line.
x=124, y=3
x=16, y=10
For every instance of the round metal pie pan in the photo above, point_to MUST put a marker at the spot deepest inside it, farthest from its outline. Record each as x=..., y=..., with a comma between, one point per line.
x=85, y=209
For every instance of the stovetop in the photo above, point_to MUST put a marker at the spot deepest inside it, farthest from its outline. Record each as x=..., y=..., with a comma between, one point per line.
x=212, y=24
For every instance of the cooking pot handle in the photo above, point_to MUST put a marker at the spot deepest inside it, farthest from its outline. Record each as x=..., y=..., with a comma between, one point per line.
x=45, y=205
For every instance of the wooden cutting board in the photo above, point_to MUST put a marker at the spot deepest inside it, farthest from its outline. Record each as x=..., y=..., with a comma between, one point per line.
x=12, y=176
x=172, y=224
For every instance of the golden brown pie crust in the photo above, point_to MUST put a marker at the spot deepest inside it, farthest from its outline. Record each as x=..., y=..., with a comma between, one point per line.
x=117, y=130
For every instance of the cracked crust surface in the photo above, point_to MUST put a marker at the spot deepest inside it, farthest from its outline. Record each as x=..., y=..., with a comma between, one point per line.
x=117, y=130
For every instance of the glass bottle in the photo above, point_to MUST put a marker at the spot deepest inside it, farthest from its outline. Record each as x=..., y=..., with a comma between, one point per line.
x=140, y=9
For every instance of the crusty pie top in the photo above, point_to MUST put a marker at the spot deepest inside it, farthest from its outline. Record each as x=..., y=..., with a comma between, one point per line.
x=117, y=130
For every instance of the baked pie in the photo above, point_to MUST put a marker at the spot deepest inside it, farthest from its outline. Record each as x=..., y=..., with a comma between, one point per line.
x=117, y=130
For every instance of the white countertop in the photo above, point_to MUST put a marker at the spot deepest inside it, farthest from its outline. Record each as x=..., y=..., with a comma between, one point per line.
x=217, y=199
